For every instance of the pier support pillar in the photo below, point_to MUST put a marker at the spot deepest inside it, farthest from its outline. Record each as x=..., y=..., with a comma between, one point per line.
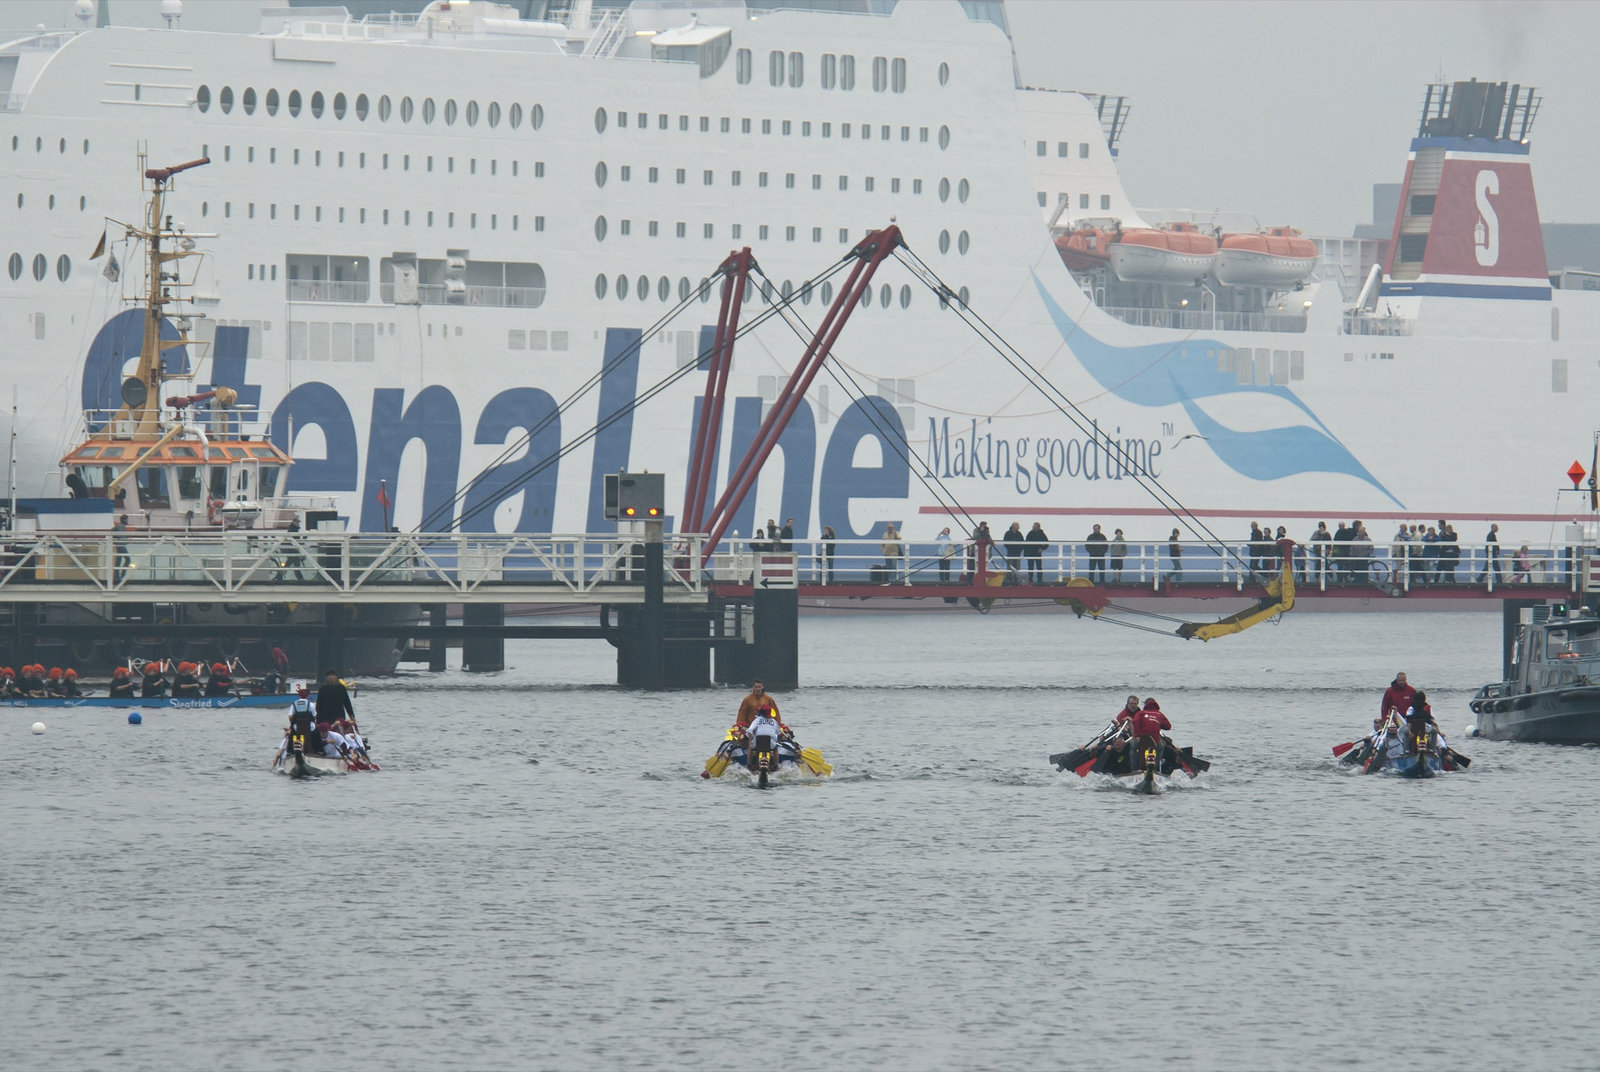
x=769, y=627
x=483, y=654
x=330, y=641
x=438, y=645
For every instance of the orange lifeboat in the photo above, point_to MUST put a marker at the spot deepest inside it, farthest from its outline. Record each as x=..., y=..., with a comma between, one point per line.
x=1176, y=254
x=1277, y=257
x=1086, y=248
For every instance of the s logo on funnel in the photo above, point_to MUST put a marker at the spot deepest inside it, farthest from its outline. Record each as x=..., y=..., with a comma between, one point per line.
x=1185, y=372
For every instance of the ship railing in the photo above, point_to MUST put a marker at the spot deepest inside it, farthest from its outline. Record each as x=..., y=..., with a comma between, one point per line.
x=470, y=294
x=268, y=565
x=1358, y=323
x=1208, y=319
x=1327, y=566
x=328, y=290
x=15, y=41
x=246, y=422
x=371, y=28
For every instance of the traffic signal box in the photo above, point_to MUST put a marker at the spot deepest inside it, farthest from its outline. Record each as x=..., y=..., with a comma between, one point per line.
x=635, y=496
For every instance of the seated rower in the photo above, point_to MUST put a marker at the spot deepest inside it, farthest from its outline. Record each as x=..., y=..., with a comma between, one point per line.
x=1145, y=726
x=154, y=682
x=221, y=683
x=8, y=683
x=32, y=684
x=69, y=683
x=53, y=683
x=123, y=686
x=765, y=724
x=186, y=685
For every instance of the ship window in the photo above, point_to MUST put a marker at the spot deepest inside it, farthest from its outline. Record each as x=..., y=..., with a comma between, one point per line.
x=623, y=285
x=601, y=283
x=963, y=242
x=683, y=229
x=340, y=106
x=14, y=266
x=705, y=177
x=514, y=116
x=152, y=483
x=429, y=109
x=844, y=182
x=63, y=267
x=766, y=126
x=600, y=173
x=625, y=227
x=224, y=101
x=788, y=181
x=407, y=109
x=741, y=66
x=885, y=295
x=1422, y=204
x=1297, y=364
x=844, y=130
x=493, y=116
x=1039, y=148
x=897, y=75
x=188, y=481
x=797, y=69
x=316, y=104
x=385, y=109
x=944, y=138
x=944, y=189
x=683, y=288
x=816, y=182
x=661, y=122
x=682, y=175
x=664, y=287
x=710, y=231
x=727, y=125
x=788, y=127
x=1105, y=201
x=450, y=113
x=705, y=124
x=536, y=117
x=294, y=102
x=775, y=68
x=472, y=113
x=683, y=122
x=944, y=74
x=964, y=190
x=202, y=99
x=1043, y=198
x=362, y=107
x=599, y=228
x=1083, y=200
x=880, y=74
x=847, y=72
x=622, y=120
x=653, y=228
x=600, y=120
x=40, y=266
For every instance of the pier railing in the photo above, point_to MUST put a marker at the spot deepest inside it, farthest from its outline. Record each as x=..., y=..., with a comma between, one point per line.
x=131, y=566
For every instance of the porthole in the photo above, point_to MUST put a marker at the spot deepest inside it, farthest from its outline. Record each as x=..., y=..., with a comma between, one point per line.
x=450, y=113
x=962, y=295
x=623, y=283
x=944, y=189
x=905, y=296
x=494, y=114
x=963, y=242
x=83, y=203
x=40, y=266
x=963, y=191
x=599, y=120
x=340, y=105
x=599, y=228
x=317, y=104
x=247, y=101
x=407, y=109
x=272, y=102
x=294, y=102
x=225, y=100
x=14, y=266
x=664, y=289
x=885, y=295
x=866, y=298
x=202, y=98
x=705, y=291
x=827, y=294
x=63, y=267
x=944, y=137
x=787, y=290
x=536, y=116
x=600, y=173
x=514, y=116
x=805, y=293
x=601, y=285
x=19, y=200
x=683, y=289
x=429, y=109
x=944, y=241
x=362, y=107
x=472, y=113
x=944, y=74
x=644, y=287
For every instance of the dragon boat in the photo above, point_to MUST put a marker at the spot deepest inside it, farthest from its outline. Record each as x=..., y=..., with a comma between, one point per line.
x=1116, y=755
x=787, y=759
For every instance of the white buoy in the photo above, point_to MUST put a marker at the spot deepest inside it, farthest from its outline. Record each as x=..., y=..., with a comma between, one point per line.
x=38, y=728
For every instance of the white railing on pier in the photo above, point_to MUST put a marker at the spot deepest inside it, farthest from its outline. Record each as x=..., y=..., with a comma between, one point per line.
x=133, y=566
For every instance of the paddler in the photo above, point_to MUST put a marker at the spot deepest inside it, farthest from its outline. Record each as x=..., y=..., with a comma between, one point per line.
x=750, y=706
x=220, y=682
x=765, y=724
x=154, y=682
x=122, y=684
x=1146, y=725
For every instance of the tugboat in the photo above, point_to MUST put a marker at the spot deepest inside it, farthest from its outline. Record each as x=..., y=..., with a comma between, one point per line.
x=194, y=465
x=1553, y=693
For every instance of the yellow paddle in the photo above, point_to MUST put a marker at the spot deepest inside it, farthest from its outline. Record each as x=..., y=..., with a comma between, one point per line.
x=716, y=765
x=813, y=760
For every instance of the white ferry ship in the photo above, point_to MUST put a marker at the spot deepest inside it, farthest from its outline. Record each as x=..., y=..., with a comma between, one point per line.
x=432, y=229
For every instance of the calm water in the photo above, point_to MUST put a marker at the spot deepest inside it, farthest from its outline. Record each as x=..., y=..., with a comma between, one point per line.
x=540, y=879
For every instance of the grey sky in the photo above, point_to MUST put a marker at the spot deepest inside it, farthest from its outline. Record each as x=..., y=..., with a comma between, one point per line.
x=1288, y=110
x=1293, y=110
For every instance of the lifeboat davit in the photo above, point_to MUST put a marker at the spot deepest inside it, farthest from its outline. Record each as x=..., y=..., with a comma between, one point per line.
x=1176, y=254
x=1278, y=257
x=1086, y=248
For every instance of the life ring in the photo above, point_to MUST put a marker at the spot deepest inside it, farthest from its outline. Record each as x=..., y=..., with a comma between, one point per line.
x=214, y=511
x=83, y=651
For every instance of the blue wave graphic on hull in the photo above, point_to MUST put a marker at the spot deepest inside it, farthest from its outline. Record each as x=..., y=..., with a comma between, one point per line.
x=1191, y=374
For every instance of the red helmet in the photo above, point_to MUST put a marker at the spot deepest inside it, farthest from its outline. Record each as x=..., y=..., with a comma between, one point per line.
x=219, y=668
x=121, y=671
x=70, y=674
x=55, y=672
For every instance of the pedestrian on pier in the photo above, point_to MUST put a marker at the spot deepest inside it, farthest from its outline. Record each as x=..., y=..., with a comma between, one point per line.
x=1491, y=555
x=825, y=551
x=1014, y=541
x=1118, y=550
x=1175, y=552
x=1035, y=552
x=947, y=551
x=1095, y=544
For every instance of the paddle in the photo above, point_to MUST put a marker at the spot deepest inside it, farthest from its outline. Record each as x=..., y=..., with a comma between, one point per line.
x=813, y=760
x=1341, y=749
x=1378, y=749
x=1076, y=756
